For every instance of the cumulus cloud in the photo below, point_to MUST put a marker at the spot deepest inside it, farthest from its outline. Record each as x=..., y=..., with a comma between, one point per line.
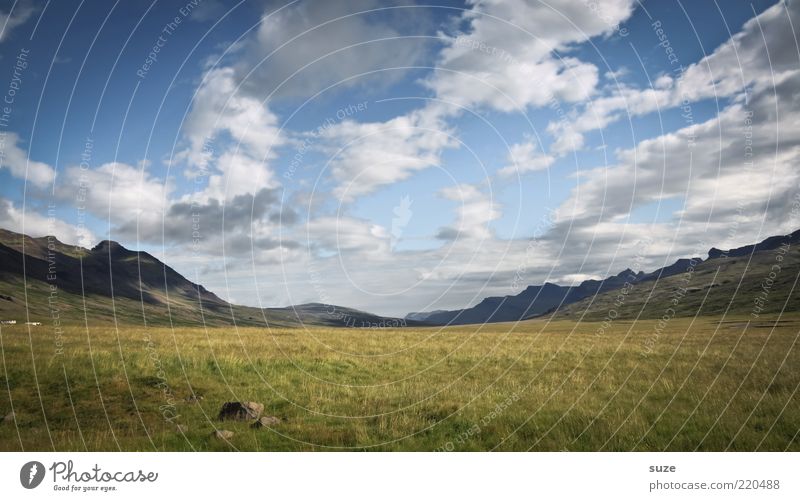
x=765, y=47
x=116, y=191
x=207, y=223
x=128, y=197
x=763, y=50
x=16, y=160
x=509, y=45
x=306, y=47
x=525, y=157
x=706, y=166
x=475, y=212
x=347, y=234
x=491, y=63
x=365, y=156
x=37, y=225
x=221, y=111
x=597, y=113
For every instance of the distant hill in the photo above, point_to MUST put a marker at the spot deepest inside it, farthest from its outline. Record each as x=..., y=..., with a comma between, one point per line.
x=340, y=316
x=42, y=279
x=422, y=315
x=594, y=297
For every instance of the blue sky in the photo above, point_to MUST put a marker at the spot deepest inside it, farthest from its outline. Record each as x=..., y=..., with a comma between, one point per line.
x=395, y=157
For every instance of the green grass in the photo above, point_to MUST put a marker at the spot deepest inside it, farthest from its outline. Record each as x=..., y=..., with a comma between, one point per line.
x=32, y=301
x=706, y=385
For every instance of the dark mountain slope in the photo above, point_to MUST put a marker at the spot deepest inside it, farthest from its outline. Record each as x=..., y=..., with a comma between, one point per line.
x=751, y=280
x=539, y=299
x=42, y=279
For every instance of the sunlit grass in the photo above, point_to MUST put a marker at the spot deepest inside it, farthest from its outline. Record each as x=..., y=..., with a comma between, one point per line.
x=537, y=385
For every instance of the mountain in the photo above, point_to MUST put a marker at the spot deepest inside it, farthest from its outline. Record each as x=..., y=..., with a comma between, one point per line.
x=44, y=280
x=766, y=244
x=340, y=316
x=537, y=300
x=751, y=280
x=420, y=316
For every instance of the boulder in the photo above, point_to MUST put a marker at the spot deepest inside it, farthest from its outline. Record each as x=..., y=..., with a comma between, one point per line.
x=223, y=435
x=9, y=418
x=240, y=411
x=266, y=422
x=182, y=428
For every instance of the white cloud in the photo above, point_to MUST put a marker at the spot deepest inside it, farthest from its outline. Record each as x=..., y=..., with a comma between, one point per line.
x=348, y=234
x=240, y=174
x=762, y=51
x=765, y=47
x=220, y=107
x=120, y=193
x=708, y=166
x=491, y=63
x=475, y=211
x=365, y=156
x=37, y=225
x=16, y=160
x=599, y=112
x=318, y=44
x=505, y=58
x=16, y=16
x=525, y=157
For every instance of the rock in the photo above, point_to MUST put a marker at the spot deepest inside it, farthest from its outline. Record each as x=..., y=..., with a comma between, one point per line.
x=266, y=422
x=9, y=418
x=240, y=411
x=194, y=398
x=182, y=428
x=223, y=435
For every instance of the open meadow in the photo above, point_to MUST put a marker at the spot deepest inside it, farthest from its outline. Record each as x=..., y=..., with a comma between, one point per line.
x=694, y=384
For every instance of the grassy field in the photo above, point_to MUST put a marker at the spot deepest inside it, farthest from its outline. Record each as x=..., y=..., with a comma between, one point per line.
x=694, y=384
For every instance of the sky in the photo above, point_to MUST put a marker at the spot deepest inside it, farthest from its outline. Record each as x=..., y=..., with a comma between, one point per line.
x=393, y=156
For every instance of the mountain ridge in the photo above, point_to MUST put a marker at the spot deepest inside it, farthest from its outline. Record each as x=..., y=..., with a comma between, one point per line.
x=111, y=282
x=750, y=280
x=539, y=300
x=41, y=277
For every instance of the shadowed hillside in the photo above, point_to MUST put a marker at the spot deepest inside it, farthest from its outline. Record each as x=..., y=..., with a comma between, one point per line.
x=751, y=280
x=44, y=280
x=597, y=296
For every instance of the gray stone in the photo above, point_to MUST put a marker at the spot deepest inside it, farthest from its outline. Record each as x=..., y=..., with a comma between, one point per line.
x=266, y=422
x=9, y=418
x=223, y=435
x=240, y=411
x=182, y=428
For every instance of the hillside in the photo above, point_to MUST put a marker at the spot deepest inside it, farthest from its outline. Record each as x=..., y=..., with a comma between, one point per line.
x=44, y=280
x=536, y=300
x=751, y=280
x=597, y=296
